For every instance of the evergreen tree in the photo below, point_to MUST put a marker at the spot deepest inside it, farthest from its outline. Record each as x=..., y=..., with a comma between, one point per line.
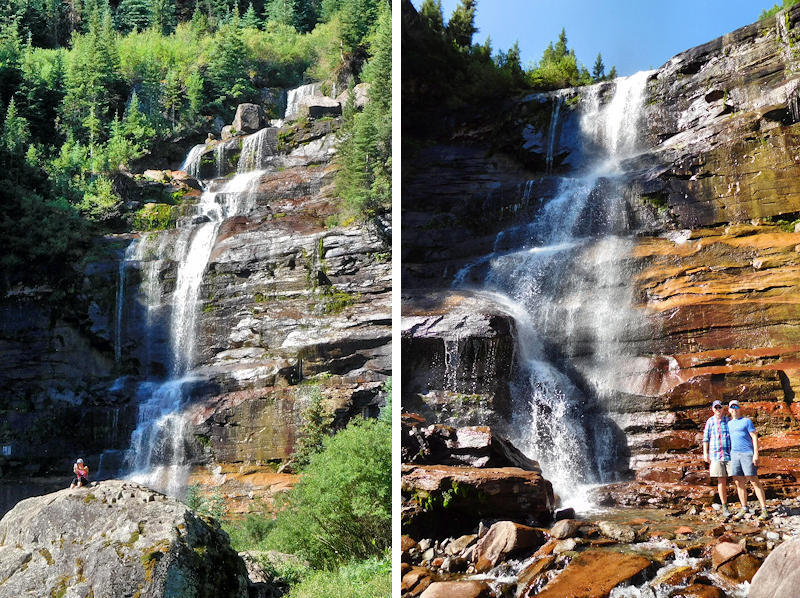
x=92, y=81
x=16, y=132
x=560, y=49
x=306, y=14
x=358, y=17
x=599, y=69
x=364, y=176
x=162, y=16
x=10, y=54
x=200, y=23
x=280, y=11
x=132, y=15
x=228, y=70
x=461, y=26
x=41, y=90
x=431, y=13
x=250, y=18
x=612, y=74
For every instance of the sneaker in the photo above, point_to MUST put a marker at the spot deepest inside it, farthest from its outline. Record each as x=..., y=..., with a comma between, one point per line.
x=725, y=512
x=740, y=514
x=764, y=515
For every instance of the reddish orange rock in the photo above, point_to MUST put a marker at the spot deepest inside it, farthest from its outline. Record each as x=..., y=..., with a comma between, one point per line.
x=724, y=552
x=740, y=569
x=531, y=573
x=698, y=590
x=458, y=589
x=546, y=548
x=594, y=573
x=684, y=529
x=416, y=581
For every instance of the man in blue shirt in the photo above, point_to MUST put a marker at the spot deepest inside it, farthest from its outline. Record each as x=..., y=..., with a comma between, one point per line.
x=717, y=452
x=744, y=458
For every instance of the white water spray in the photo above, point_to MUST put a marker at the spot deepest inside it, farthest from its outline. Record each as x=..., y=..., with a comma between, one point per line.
x=562, y=277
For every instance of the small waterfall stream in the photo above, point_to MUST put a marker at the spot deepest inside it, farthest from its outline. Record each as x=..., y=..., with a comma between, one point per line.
x=159, y=454
x=564, y=278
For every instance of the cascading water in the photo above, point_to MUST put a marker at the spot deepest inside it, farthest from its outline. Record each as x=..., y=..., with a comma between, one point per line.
x=563, y=277
x=295, y=95
x=159, y=455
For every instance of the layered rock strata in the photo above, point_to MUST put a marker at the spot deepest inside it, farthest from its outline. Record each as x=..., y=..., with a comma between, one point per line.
x=710, y=206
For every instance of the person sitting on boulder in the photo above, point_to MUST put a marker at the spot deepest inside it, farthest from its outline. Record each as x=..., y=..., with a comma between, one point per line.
x=81, y=474
x=717, y=437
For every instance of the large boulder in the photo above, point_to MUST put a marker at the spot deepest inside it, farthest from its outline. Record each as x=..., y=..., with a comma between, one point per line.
x=442, y=500
x=594, y=573
x=779, y=575
x=319, y=106
x=115, y=539
x=476, y=446
x=249, y=118
x=505, y=538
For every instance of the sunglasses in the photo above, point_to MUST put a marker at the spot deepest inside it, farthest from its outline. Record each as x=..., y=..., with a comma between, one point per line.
x=717, y=407
x=733, y=406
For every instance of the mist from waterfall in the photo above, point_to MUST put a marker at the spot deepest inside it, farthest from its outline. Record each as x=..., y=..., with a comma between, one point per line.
x=160, y=449
x=564, y=279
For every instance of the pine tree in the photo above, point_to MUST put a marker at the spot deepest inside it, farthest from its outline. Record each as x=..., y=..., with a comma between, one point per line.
x=16, y=131
x=461, y=26
x=306, y=14
x=280, y=11
x=612, y=74
x=200, y=23
x=599, y=69
x=431, y=13
x=228, y=70
x=250, y=19
x=132, y=15
x=162, y=16
x=560, y=49
x=10, y=55
x=358, y=17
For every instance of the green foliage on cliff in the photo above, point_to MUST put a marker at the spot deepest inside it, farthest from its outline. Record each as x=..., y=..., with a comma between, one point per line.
x=364, y=178
x=89, y=87
x=442, y=67
x=341, y=508
x=770, y=12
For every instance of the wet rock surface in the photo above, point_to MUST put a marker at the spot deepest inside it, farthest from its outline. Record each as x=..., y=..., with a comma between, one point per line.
x=115, y=539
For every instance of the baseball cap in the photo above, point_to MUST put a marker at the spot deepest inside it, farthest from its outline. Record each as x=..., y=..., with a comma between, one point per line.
x=80, y=460
x=734, y=403
x=715, y=403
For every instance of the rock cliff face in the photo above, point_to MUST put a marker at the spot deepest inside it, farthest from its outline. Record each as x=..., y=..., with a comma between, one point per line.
x=115, y=539
x=710, y=206
x=287, y=304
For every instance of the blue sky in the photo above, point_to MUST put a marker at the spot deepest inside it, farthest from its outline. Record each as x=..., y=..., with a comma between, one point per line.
x=634, y=35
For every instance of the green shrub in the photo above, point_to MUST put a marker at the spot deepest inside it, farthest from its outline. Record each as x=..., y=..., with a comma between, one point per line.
x=341, y=508
x=370, y=578
x=315, y=428
x=154, y=216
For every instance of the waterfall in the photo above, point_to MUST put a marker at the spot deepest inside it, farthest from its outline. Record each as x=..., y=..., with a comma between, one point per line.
x=129, y=252
x=563, y=277
x=159, y=454
x=295, y=95
x=558, y=99
x=191, y=165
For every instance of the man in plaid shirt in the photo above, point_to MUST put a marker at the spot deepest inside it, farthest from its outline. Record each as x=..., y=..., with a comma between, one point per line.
x=717, y=452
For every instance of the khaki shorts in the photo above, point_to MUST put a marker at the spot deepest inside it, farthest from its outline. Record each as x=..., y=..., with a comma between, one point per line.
x=720, y=469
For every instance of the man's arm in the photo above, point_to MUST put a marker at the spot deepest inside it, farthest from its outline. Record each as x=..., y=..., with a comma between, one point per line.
x=705, y=451
x=754, y=437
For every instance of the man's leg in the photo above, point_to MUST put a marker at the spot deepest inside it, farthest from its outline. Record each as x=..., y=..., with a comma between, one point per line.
x=759, y=489
x=741, y=490
x=722, y=488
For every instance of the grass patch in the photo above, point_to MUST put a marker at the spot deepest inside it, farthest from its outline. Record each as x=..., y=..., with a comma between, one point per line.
x=371, y=578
